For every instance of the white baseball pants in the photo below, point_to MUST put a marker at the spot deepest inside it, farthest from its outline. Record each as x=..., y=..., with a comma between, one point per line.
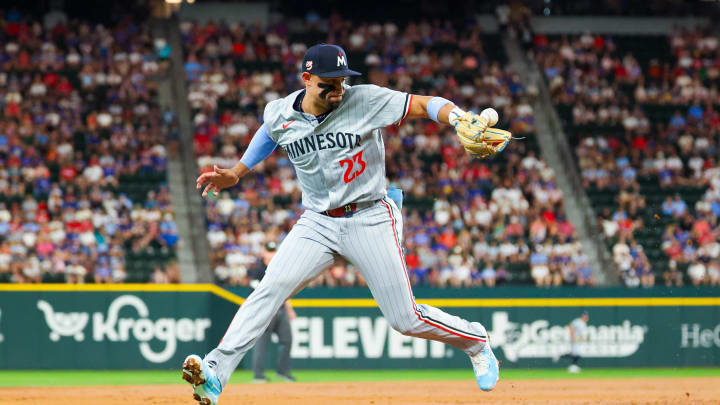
x=371, y=240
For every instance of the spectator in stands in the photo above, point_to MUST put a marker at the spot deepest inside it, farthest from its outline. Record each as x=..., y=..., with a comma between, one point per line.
x=713, y=273
x=584, y=271
x=672, y=276
x=159, y=276
x=602, y=89
x=624, y=261
x=641, y=265
x=94, y=122
x=463, y=273
x=697, y=273
x=488, y=275
x=539, y=268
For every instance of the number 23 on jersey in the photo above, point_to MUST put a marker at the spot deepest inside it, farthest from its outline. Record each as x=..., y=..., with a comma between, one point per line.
x=355, y=166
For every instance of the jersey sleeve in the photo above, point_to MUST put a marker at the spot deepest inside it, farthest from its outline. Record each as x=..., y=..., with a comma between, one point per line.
x=269, y=116
x=385, y=106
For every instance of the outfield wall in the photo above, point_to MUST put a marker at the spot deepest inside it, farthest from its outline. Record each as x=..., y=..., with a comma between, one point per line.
x=155, y=326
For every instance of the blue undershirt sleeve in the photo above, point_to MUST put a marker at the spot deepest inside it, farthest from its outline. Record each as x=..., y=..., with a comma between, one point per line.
x=261, y=146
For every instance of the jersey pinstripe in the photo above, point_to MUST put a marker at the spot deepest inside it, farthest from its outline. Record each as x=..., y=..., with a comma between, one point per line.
x=341, y=159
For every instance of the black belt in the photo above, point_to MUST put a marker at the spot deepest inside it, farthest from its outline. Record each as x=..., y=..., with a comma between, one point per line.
x=348, y=210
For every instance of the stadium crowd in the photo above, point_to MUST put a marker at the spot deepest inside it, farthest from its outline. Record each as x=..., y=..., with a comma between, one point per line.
x=644, y=116
x=467, y=223
x=79, y=124
x=82, y=147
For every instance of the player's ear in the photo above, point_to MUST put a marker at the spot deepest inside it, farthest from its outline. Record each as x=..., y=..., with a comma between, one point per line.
x=305, y=76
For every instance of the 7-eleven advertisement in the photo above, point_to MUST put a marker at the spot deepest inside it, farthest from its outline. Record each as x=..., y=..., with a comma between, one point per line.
x=521, y=337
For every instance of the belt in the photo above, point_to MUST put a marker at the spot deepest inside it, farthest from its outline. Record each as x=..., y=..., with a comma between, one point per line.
x=348, y=210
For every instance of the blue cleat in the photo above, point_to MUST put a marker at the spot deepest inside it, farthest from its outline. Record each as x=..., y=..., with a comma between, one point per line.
x=486, y=368
x=206, y=385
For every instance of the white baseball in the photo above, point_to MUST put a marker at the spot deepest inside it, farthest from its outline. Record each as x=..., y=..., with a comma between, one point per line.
x=490, y=115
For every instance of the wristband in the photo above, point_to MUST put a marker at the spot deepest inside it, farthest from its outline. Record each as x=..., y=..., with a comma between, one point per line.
x=434, y=106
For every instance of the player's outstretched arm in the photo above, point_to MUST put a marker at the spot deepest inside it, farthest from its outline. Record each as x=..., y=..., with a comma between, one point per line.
x=444, y=111
x=439, y=111
x=472, y=129
x=261, y=146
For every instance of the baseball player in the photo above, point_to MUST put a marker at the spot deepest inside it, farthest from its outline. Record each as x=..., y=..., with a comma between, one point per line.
x=331, y=132
x=578, y=333
x=280, y=325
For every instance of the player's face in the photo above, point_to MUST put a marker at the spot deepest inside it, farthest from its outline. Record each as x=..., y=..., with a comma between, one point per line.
x=327, y=91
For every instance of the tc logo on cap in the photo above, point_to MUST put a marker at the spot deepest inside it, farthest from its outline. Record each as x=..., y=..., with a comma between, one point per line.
x=308, y=65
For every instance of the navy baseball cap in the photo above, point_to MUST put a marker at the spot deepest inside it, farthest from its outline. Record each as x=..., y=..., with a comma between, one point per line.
x=327, y=60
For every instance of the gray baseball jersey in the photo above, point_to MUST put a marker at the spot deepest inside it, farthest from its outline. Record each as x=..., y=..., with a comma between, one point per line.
x=579, y=327
x=338, y=161
x=580, y=331
x=341, y=159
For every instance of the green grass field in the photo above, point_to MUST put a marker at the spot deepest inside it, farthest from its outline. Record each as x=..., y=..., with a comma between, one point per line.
x=10, y=378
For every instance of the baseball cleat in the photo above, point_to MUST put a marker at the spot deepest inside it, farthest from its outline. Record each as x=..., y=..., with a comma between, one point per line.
x=206, y=385
x=287, y=377
x=486, y=368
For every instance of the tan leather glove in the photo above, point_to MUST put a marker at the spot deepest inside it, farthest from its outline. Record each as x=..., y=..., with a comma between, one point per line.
x=479, y=140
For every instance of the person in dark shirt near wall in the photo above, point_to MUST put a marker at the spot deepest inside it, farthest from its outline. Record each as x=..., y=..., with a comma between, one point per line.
x=280, y=325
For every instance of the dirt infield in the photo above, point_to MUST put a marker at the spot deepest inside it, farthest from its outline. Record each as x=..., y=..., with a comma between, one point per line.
x=654, y=391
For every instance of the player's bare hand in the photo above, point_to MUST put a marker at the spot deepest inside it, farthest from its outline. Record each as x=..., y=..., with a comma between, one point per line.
x=216, y=180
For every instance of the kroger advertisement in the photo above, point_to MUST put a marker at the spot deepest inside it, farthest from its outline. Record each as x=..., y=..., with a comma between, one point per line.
x=99, y=330
x=116, y=330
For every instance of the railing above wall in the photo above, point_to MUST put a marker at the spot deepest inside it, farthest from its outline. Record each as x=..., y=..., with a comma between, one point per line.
x=614, y=25
x=604, y=25
x=246, y=13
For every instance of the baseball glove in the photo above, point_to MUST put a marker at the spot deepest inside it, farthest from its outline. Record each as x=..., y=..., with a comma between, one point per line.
x=479, y=140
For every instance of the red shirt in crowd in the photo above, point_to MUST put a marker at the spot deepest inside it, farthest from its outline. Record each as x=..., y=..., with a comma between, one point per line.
x=549, y=216
x=514, y=229
x=702, y=231
x=275, y=185
x=12, y=109
x=639, y=143
x=599, y=42
x=64, y=87
x=51, y=79
x=566, y=228
x=448, y=239
x=238, y=49
x=413, y=261
x=620, y=71
x=625, y=224
x=68, y=173
x=654, y=71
